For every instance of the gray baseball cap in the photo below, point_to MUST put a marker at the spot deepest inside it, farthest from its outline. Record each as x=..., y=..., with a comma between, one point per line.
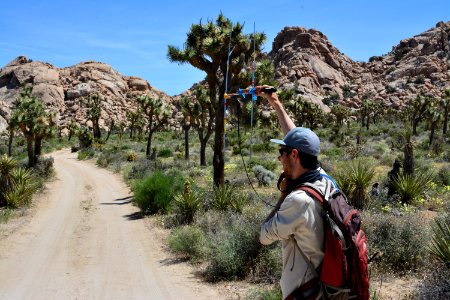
x=302, y=139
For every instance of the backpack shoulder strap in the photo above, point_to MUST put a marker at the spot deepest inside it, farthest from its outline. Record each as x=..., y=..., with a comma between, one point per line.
x=315, y=192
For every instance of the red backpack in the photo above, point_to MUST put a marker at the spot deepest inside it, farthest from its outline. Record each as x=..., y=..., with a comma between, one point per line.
x=344, y=267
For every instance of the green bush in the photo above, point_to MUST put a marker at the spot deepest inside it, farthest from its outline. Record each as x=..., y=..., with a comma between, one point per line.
x=264, y=294
x=189, y=240
x=268, y=266
x=165, y=153
x=86, y=153
x=443, y=175
x=401, y=240
x=141, y=168
x=155, y=193
x=264, y=176
x=435, y=284
x=44, y=167
x=268, y=164
x=263, y=147
x=235, y=247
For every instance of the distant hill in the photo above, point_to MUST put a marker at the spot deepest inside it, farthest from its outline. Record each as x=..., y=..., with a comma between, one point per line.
x=62, y=89
x=304, y=60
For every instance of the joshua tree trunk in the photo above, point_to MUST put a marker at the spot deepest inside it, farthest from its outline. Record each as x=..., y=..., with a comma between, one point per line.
x=10, y=141
x=408, y=163
x=37, y=149
x=203, y=143
x=219, y=155
x=186, y=141
x=359, y=198
x=96, y=130
x=432, y=130
x=30, y=152
x=149, y=143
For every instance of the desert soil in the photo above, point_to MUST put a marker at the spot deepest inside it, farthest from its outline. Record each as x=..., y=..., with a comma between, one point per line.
x=83, y=239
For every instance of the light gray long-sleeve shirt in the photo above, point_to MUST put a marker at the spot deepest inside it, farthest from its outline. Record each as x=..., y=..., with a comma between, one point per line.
x=299, y=220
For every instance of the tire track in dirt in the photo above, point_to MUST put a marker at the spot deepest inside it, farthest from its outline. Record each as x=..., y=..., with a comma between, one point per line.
x=84, y=242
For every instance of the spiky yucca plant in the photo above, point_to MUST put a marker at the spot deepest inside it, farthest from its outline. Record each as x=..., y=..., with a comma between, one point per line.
x=354, y=180
x=24, y=186
x=186, y=204
x=410, y=187
x=222, y=197
x=7, y=165
x=440, y=243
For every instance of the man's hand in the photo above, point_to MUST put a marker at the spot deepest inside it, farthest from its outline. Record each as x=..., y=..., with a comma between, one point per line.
x=284, y=119
x=272, y=97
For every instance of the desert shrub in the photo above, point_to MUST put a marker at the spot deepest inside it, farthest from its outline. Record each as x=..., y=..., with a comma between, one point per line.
x=264, y=176
x=263, y=147
x=440, y=243
x=401, y=240
x=268, y=265
x=187, y=203
x=85, y=153
x=108, y=157
x=419, y=80
x=44, y=167
x=165, y=152
x=131, y=156
x=235, y=247
x=154, y=194
x=5, y=214
x=443, y=175
x=268, y=164
x=410, y=187
x=140, y=169
x=85, y=137
x=265, y=294
x=189, y=240
x=435, y=285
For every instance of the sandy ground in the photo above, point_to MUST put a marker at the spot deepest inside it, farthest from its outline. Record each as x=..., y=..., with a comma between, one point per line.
x=84, y=240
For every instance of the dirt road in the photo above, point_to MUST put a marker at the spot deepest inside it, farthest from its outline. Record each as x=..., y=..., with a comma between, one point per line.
x=85, y=241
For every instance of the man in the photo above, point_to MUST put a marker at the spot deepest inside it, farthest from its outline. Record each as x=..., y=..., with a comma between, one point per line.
x=297, y=218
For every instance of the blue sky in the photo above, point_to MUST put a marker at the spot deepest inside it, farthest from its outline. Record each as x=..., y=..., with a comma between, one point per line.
x=132, y=36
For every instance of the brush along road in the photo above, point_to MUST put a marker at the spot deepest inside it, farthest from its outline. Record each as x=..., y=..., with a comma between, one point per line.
x=85, y=240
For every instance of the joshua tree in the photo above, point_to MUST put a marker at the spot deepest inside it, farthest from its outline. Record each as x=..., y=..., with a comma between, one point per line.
x=72, y=127
x=200, y=109
x=206, y=48
x=312, y=114
x=341, y=113
x=156, y=113
x=45, y=128
x=434, y=116
x=417, y=110
x=35, y=123
x=135, y=120
x=94, y=105
x=408, y=152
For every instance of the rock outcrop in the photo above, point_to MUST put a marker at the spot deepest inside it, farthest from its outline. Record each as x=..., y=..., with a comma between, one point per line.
x=306, y=61
x=63, y=89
